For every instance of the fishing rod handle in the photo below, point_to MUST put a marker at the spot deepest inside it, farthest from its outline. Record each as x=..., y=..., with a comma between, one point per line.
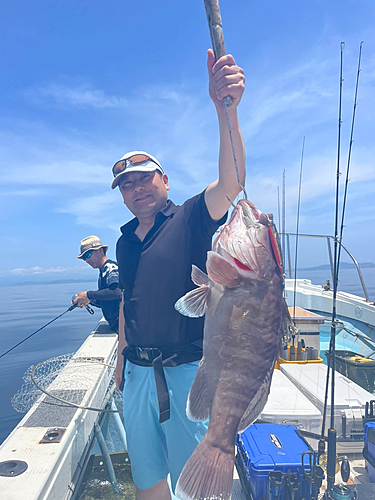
x=89, y=309
x=216, y=32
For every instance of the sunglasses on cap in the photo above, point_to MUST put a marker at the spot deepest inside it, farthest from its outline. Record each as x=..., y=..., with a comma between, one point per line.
x=86, y=255
x=134, y=160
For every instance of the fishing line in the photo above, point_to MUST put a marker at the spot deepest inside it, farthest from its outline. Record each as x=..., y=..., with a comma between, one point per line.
x=233, y=150
x=41, y=328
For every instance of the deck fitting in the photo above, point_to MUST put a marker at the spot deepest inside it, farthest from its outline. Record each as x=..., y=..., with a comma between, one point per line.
x=53, y=435
x=12, y=468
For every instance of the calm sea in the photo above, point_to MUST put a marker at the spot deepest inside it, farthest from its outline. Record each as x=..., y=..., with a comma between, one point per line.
x=25, y=308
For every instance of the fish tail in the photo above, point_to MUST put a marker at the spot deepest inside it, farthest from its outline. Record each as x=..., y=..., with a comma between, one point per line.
x=208, y=474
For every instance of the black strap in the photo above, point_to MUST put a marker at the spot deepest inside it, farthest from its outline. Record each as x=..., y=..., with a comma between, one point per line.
x=161, y=390
x=157, y=358
x=151, y=357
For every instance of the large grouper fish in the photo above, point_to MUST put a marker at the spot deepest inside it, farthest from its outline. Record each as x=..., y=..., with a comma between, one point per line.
x=244, y=323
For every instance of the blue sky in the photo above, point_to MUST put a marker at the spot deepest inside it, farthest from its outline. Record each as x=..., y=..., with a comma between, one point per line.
x=82, y=82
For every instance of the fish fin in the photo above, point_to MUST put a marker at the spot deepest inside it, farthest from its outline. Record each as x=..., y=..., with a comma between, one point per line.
x=198, y=404
x=194, y=303
x=207, y=474
x=198, y=277
x=220, y=270
x=257, y=404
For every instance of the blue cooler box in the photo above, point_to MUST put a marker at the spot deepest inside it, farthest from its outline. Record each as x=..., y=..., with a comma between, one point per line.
x=268, y=447
x=369, y=449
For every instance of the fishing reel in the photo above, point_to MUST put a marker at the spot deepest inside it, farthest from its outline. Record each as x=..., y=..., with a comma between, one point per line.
x=73, y=306
x=339, y=491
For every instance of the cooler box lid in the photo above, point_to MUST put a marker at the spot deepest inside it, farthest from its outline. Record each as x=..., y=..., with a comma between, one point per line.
x=369, y=432
x=272, y=447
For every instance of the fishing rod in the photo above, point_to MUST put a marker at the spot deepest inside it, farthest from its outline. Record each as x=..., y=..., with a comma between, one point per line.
x=283, y=222
x=331, y=451
x=278, y=207
x=297, y=233
x=217, y=40
x=293, y=329
x=73, y=306
x=350, y=149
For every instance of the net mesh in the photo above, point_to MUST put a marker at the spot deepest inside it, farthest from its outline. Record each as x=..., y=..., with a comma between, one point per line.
x=62, y=377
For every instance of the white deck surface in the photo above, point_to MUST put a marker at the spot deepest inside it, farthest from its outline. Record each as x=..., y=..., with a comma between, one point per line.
x=287, y=405
x=350, y=399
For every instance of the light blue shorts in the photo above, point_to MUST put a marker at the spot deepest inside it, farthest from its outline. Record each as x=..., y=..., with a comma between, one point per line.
x=156, y=450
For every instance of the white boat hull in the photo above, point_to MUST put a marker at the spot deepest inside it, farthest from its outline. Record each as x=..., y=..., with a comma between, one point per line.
x=51, y=466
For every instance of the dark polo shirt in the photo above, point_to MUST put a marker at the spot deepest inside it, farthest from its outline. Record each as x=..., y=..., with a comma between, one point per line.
x=155, y=273
x=108, y=295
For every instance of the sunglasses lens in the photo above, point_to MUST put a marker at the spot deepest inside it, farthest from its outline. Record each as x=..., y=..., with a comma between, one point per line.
x=87, y=255
x=121, y=165
x=137, y=159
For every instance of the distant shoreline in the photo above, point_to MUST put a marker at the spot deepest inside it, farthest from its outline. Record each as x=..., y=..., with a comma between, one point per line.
x=343, y=265
x=23, y=281
x=61, y=281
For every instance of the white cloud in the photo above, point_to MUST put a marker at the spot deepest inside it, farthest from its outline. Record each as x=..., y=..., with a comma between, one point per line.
x=102, y=211
x=24, y=193
x=39, y=270
x=81, y=97
x=63, y=172
x=179, y=127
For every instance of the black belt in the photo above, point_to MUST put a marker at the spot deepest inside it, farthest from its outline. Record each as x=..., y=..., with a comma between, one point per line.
x=149, y=356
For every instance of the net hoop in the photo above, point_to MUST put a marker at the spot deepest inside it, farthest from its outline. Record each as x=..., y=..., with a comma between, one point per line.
x=81, y=407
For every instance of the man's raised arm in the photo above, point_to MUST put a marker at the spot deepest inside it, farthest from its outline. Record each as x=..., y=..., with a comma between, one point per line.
x=226, y=78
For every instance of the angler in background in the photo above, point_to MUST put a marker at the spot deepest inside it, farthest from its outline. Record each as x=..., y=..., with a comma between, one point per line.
x=108, y=295
x=160, y=348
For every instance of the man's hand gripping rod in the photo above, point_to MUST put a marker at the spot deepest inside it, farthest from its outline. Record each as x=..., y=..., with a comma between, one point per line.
x=88, y=308
x=217, y=40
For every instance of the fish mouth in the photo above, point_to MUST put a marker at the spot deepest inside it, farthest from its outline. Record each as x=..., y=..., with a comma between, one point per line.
x=243, y=240
x=251, y=216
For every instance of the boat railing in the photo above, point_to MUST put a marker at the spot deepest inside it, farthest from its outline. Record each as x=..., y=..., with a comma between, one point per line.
x=328, y=239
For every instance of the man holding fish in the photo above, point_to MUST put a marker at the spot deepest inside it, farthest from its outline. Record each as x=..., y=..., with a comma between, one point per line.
x=155, y=253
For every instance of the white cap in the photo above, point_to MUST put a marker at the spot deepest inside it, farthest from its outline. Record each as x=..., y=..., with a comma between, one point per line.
x=149, y=165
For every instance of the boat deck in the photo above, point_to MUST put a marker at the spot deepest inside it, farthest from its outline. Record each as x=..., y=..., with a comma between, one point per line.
x=358, y=475
x=98, y=480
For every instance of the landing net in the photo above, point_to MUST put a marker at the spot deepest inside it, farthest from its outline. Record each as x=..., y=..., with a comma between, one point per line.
x=83, y=382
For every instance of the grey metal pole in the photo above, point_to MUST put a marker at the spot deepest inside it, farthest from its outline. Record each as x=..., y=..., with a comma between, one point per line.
x=107, y=459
